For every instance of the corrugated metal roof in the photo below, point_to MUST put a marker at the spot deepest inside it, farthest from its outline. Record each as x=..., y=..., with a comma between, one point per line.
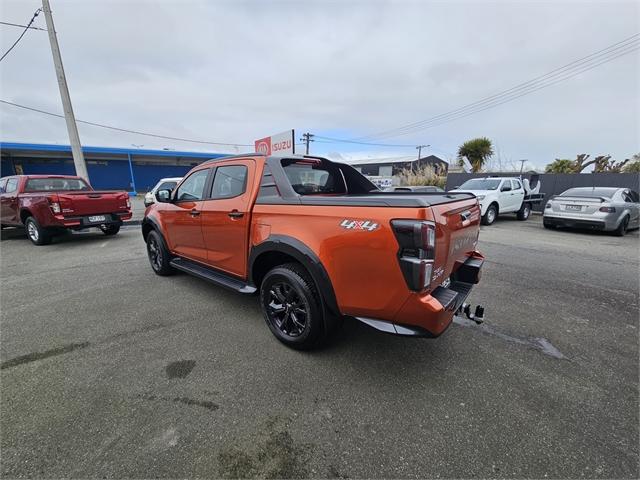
x=386, y=160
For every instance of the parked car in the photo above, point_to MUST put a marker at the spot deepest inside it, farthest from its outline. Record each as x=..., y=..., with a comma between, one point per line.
x=598, y=208
x=498, y=195
x=412, y=188
x=47, y=205
x=163, y=184
x=319, y=241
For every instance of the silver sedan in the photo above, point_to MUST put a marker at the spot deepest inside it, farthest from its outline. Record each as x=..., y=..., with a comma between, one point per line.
x=599, y=208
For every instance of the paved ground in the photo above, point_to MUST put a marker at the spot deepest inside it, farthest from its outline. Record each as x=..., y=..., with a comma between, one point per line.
x=111, y=371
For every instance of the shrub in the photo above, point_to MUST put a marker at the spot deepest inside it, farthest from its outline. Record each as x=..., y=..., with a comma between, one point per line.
x=424, y=175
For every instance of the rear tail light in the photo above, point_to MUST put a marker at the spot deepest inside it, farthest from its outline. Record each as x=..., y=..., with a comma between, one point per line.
x=54, y=205
x=417, y=241
x=548, y=205
x=128, y=202
x=608, y=209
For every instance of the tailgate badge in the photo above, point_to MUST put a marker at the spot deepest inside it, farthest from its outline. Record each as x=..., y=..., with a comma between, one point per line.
x=359, y=225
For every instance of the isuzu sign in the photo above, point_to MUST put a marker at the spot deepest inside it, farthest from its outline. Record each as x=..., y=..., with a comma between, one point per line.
x=278, y=144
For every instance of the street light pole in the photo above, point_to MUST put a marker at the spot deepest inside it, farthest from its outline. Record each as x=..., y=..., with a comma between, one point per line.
x=72, y=128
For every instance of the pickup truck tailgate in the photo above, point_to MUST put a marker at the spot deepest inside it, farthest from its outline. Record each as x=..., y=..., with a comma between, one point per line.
x=91, y=202
x=457, y=228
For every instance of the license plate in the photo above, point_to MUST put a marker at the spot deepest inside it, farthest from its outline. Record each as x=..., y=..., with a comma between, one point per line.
x=97, y=218
x=575, y=208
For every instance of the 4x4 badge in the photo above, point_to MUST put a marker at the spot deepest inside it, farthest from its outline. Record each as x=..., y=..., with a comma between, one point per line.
x=359, y=225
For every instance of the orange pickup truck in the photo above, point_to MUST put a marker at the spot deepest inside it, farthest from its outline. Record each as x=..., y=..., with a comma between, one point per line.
x=319, y=242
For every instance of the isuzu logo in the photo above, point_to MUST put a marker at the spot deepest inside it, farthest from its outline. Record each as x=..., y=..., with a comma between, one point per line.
x=359, y=225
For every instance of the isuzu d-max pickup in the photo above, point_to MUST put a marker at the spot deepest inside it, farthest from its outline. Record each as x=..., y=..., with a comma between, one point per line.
x=47, y=205
x=319, y=242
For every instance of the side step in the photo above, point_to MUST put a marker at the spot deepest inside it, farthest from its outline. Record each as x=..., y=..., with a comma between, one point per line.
x=211, y=275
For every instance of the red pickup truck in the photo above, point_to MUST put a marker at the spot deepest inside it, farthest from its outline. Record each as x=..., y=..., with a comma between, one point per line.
x=51, y=204
x=319, y=241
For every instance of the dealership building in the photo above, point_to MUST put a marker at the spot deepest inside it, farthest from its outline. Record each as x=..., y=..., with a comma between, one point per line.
x=131, y=169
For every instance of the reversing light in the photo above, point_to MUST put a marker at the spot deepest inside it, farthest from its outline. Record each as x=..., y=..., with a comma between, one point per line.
x=55, y=207
x=128, y=202
x=608, y=209
x=417, y=241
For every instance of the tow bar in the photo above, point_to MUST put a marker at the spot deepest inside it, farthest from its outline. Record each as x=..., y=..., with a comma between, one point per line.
x=477, y=317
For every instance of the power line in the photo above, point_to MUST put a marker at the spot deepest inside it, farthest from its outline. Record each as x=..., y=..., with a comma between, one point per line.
x=118, y=129
x=22, y=26
x=36, y=13
x=583, y=64
x=344, y=140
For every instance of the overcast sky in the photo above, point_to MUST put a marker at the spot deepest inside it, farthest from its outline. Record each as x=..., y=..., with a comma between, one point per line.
x=236, y=71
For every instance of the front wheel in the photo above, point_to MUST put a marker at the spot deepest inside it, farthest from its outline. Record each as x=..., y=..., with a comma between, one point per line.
x=524, y=212
x=291, y=306
x=36, y=233
x=159, y=256
x=110, y=229
x=490, y=215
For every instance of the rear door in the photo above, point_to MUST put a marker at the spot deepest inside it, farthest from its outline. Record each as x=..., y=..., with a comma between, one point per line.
x=9, y=202
x=226, y=216
x=182, y=218
x=632, y=202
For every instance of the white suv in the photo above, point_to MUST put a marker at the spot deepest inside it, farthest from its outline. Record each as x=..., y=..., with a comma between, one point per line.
x=163, y=184
x=497, y=195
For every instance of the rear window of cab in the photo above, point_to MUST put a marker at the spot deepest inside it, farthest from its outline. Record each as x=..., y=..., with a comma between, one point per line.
x=313, y=177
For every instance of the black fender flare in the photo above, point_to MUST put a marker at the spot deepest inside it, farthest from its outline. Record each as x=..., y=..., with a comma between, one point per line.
x=307, y=258
x=148, y=224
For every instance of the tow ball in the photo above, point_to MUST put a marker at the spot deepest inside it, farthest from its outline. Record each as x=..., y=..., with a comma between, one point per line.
x=477, y=316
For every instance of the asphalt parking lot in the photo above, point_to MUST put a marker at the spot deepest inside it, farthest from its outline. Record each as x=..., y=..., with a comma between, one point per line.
x=111, y=371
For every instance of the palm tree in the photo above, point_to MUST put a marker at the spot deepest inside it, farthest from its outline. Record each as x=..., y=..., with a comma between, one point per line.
x=477, y=150
x=561, y=165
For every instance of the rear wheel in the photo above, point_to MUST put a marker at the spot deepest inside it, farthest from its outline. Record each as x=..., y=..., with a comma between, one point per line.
x=524, y=212
x=622, y=228
x=36, y=233
x=490, y=215
x=159, y=256
x=546, y=224
x=110, y=229
x=291, y=306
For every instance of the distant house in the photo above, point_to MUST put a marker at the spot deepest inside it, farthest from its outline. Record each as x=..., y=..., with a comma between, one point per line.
x=388, y=167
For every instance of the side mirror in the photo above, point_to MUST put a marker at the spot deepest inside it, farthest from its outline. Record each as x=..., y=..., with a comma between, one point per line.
x=505, y=188
x=163, y=196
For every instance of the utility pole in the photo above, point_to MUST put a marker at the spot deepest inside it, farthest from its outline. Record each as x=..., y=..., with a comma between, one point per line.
x=522, y=164
x=419, y=148
x=306, y=138
x=72, y=128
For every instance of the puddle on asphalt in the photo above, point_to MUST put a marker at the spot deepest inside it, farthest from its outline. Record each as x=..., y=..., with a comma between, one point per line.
x=179, y=369
x=538, y=343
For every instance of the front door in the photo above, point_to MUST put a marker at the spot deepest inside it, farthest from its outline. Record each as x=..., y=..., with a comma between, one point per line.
x=226, y=217
x=182, y=218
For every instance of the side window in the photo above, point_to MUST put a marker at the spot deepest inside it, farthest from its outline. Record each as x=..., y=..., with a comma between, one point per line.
x=634, y=196
x=12, y=185
x=230, y=181
x=516, y=184
x=506, y=186
x=192, y=188
x=3, y=184
x=626, y=196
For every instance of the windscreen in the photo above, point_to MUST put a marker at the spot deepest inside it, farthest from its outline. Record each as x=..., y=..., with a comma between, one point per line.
x=591, y=192
x=480, y=184
x=55, y=185
x=310, y=177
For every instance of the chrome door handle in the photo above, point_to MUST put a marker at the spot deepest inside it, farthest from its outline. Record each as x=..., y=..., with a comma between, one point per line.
x=236, y=214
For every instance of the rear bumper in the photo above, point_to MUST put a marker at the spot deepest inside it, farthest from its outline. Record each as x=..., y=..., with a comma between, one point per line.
x=80, y=222
x=430, y=314
x=575, y=223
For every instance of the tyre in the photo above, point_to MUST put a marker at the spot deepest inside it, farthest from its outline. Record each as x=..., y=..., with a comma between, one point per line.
x=622, y=228
x=490, y=215
x=110, y=229
x=37, y=234
x=546, y=224
x=524, y=212
x=159, y=256
x=291, y=306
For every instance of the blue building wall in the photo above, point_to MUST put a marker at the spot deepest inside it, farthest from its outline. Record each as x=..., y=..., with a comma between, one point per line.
x=103, y=174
